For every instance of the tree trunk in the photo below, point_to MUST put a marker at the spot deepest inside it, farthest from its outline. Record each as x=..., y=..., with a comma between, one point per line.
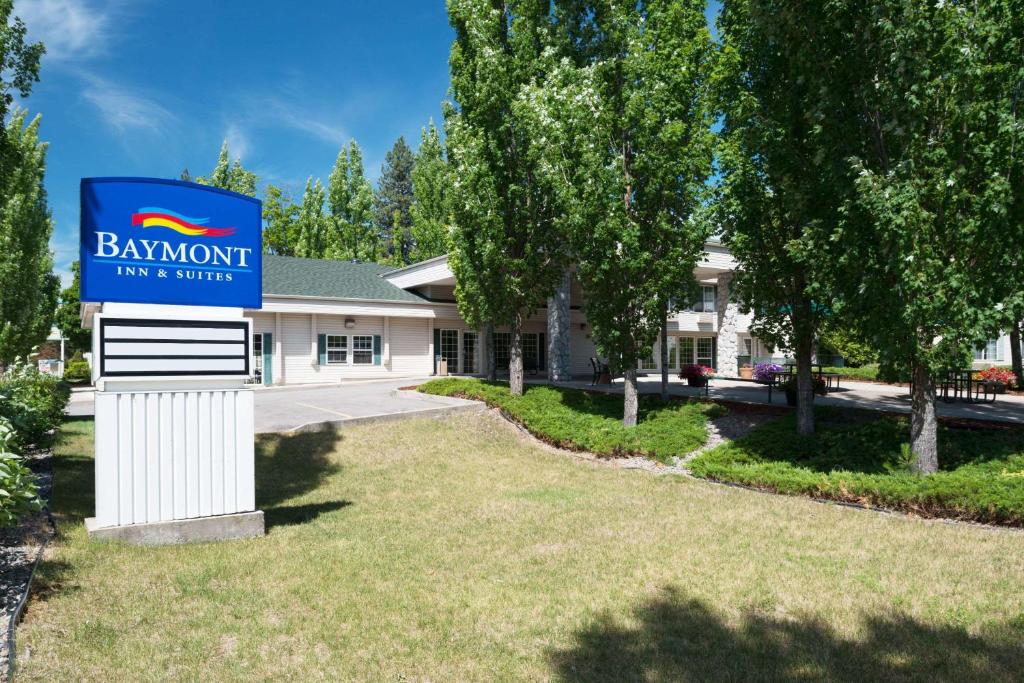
x=924, y=432
x=515, y=357
x=664, y=355
x=629, y=403
x=492, y=363
x=1015, y=360
x=804, y=386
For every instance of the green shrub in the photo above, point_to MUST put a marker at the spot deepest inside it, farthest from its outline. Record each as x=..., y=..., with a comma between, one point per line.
x=32, y=402
x=862, y=458
x=19, y=493
x=867, y=373
x=76, y=371
x=581, y=420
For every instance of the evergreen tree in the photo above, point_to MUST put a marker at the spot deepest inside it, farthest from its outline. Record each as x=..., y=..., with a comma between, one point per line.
x=394, y=193
x=230, y=176
x=280, y=222
x=350, y=200
x=67, y=317
x=429, y=211
x=28, y=288
x=627, y=118
x=312, y=224
x=507, y=255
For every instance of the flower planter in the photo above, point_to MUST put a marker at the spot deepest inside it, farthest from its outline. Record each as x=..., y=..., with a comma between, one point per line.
x=697, y=381
x=746, y=373
x=791, y=398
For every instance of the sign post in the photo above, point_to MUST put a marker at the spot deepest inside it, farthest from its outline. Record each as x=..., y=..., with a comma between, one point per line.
x=173, y=266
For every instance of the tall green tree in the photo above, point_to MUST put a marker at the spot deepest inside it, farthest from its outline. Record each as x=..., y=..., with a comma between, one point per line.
x=350, y=200
x=394, y=193
x=630, y=122
x=430, y=182
x=934, y=229
x=313, y=225
x=280, y=222
x=228, y=175
x=28, y=287
x=507, y=254
x=67, y=318
x=19, y=70
x=784, y=174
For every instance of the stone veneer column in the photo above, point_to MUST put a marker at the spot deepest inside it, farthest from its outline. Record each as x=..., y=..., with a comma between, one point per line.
x=559, y=332
x=728, y=342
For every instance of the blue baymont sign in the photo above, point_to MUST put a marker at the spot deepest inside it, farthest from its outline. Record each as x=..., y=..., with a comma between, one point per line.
x=155, y=241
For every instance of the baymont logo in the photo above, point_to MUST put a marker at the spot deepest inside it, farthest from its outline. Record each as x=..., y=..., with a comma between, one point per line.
x=154, y=217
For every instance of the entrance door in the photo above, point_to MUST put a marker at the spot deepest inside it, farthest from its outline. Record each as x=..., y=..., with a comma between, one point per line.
x=263, y=357
x=449, y=350
x=469, y=353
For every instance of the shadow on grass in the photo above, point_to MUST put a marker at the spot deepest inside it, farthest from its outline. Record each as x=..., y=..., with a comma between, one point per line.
x=291, y=515
x=681, y=639
x=291, y=465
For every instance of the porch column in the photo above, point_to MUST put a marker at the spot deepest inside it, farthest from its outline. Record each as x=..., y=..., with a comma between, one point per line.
x=278, y=368
x=728, y=342
x=559, y=333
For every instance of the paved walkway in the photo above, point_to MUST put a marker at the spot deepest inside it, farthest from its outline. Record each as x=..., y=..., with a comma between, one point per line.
x=280, y=409
x=851, y=395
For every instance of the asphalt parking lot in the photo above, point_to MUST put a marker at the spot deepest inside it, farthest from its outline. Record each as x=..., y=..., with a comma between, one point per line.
x=282, y=409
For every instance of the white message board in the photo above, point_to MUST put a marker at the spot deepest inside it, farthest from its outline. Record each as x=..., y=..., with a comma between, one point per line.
x=131, y=347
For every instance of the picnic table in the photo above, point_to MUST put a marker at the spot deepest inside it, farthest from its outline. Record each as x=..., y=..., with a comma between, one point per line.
x=960, y=385
x=831, y=379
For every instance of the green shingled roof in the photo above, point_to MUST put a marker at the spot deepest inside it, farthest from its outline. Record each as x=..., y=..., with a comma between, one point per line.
x=289, y=276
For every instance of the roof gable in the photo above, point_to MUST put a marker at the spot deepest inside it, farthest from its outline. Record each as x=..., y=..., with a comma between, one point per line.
x=291, y=276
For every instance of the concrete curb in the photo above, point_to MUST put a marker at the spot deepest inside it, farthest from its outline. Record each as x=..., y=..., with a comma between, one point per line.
x=440, y=411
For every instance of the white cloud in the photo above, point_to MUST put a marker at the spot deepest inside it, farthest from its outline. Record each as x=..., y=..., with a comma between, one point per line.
x=238, y=142
x=125, y=110
x=70, y=29
x=289, y=115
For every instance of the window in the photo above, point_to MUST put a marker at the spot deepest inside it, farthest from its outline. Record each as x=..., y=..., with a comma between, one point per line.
x=531, y=353
x=469, y=352
x=987, y=351
x=673, y=353
x=686, y=350
x=449, y=350
x=705, y=351
x=707, y=300
x=502, y=342
x=362, y=349
x=257, y=352
x=337, y=349
x=648, y=363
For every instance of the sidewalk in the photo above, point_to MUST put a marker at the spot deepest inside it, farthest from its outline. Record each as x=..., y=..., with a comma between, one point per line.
x=851, y=394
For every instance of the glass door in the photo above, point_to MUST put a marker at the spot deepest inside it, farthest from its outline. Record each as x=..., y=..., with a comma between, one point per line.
x=469, y=353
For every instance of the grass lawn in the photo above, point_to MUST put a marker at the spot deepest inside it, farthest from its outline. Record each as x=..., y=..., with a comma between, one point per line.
x=863, y=457
x=592, y=421
x=454, y=551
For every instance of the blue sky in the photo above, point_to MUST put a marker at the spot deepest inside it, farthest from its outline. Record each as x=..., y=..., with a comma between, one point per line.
x=149, y=87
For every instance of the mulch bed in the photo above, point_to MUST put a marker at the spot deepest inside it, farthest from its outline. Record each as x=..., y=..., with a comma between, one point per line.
x=21, y=548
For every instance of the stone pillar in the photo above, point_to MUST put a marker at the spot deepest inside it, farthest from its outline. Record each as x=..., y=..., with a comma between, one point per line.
x=728, y=342
x=559, y=332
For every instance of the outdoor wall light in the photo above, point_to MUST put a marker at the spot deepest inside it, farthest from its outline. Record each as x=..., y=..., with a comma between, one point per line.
x=350, y=323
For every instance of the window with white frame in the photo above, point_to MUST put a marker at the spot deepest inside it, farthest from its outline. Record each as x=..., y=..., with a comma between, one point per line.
x=705, y=351
x=685, y=351
x=337, y=349
x=502, y=342
x=987, y=351
x=257, y=352
x=362, y=349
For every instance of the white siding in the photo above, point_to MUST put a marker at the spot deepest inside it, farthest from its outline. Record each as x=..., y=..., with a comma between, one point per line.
x=410, y=347
x=142, y=472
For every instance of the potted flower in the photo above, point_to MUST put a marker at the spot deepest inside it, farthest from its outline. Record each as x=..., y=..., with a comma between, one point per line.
x=763, y=372
x=790, y=387
x=997, y=378
x=747, y=371
x=696, y=375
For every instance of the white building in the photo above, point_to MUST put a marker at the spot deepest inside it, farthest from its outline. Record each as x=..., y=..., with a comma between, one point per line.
x=323, y=321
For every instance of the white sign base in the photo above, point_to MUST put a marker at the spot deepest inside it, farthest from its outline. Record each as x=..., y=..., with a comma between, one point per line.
x=174, y=458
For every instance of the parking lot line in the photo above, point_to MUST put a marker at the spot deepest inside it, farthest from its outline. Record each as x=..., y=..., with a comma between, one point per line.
x=326, y=410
